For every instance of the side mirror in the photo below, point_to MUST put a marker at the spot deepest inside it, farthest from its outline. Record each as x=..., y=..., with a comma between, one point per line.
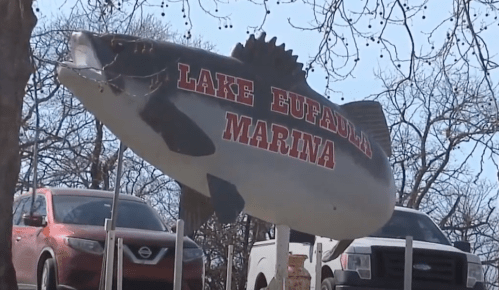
x=34, y=220
x=463, y=246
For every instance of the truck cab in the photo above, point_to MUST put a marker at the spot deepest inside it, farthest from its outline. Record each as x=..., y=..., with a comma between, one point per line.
x=376, y=262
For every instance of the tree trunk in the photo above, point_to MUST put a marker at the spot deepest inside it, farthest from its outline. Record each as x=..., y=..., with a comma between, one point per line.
x=17, y=21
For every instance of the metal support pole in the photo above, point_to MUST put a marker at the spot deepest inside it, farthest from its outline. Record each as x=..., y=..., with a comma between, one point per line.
x=179, y=250
x=110, y=242
x=408, y=263
x=228, y=282
x=110, y=226
x=282, y=255
x=119, y=274
x=318, y=267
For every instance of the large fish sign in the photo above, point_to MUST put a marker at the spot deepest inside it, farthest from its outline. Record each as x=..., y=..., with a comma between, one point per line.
x=244, y=132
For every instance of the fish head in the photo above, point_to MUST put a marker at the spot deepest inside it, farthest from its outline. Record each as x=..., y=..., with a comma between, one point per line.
x=127, y=82
x=128, y=65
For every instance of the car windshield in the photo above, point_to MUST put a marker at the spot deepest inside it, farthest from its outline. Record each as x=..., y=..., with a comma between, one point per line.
x=419, y=226
x=92, y=210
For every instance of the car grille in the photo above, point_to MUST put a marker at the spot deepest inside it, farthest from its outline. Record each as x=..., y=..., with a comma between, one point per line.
x=135, y=250
x=446, y=267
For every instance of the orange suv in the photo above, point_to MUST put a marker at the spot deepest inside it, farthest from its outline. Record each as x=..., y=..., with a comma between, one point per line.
x=61, y=245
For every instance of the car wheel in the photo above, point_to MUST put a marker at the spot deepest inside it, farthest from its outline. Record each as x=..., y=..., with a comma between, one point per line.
x=47, y=279
x=328, y=284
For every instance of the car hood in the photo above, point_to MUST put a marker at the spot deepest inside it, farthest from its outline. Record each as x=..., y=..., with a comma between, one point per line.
x=130, y=236
x=363, y=246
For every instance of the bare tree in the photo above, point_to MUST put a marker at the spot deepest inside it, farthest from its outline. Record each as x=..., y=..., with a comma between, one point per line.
x=438, y=123
x=443, y=127
x=467, y=212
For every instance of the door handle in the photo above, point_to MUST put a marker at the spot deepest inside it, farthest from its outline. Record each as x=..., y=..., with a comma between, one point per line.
x=18, y=239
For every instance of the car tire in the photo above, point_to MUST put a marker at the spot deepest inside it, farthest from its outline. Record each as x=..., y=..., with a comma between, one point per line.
x=328, y=284
x=47, y=277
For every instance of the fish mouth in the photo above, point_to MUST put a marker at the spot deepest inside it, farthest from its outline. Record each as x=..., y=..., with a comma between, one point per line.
x=83, y=57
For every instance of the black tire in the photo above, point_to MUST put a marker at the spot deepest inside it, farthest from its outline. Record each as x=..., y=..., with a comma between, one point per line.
x=47, y=276
x=328, y=284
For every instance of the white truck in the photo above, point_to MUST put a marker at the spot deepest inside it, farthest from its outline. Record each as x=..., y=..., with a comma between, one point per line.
x=377, y=262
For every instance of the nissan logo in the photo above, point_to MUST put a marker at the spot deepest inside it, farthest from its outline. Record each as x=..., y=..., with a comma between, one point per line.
x=422, y=267
x=145, y=252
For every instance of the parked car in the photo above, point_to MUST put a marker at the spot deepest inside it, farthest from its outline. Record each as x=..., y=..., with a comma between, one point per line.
x=377, y=261
x=60, y=246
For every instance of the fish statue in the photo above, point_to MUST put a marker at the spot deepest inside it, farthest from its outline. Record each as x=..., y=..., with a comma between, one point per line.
x=240, y=133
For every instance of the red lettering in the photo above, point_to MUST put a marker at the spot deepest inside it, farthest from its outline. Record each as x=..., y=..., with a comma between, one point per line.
x=342, y=125
x=310, y=147
x=245, y=90
x=366, y=146
x=279, y=101
x=296, y=136
x=313, y=109
x=279, y=136
x=296, y=103
x=328, y=120
x=184, y=82
x=236, y=129
x=205, y=83
x=224, y=90
x=259, y=138
x=352, y=136
x=327, y=157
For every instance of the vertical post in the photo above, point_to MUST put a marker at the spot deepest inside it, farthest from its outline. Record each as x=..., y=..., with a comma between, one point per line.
x=282, y=255
x=228, y=282
x=119, y=275
x=179, y=248
x=114, y=210
x=110, y=225
x=408, y=263
x=318, y=267
x=110, y=242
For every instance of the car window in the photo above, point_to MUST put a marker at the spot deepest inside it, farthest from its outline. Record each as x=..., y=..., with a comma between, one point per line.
x=91, y=210
x=40, y=206
x=419, y=226
x=23, y=209
x=14, y=206
x=16, y=211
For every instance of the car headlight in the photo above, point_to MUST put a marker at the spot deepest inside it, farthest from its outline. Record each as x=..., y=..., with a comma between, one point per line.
x=358, y=263
x=475, y=274
x=87, y=246
x=191, y=254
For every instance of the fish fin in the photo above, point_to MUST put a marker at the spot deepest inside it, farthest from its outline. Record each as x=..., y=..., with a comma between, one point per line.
x=370, y=117
x=195, y=209
x=226, y=200
x=180, y=133
x=266, y=55
x=336, y=251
